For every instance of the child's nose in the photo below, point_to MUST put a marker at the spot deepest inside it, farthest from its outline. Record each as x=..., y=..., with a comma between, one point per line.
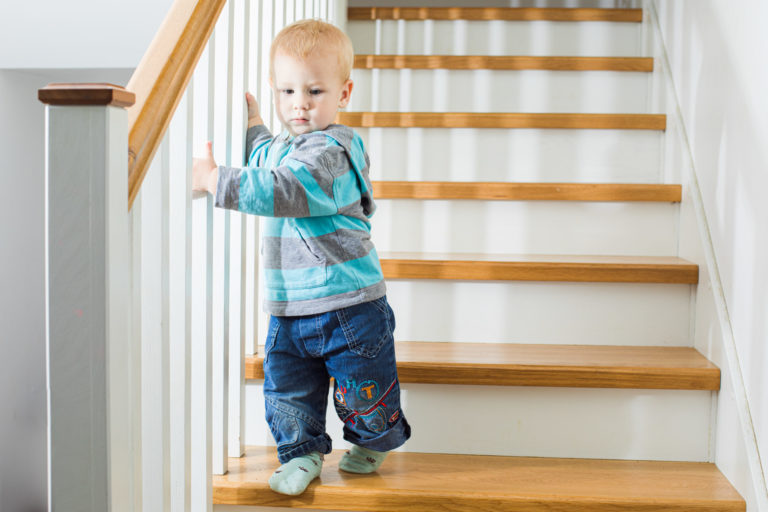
x=301, y=101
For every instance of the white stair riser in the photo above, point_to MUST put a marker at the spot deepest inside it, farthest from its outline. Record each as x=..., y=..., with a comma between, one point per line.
x=532, y=227
x=537, y=421
x=442, y=37
x=417, y=90
x=525, y=155
x=541, y=312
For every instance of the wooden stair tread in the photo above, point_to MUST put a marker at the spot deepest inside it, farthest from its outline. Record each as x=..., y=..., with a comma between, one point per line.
x=422, y=482
x=494, y=13
x=515, y=63
x=503, y=120
x=504, y=191
x=533, y=267
x=510, y=364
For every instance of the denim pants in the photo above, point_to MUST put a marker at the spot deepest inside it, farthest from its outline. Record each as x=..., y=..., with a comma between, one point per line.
x=355, y=346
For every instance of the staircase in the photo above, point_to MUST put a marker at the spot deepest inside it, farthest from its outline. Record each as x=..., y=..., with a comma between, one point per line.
x=530, y=245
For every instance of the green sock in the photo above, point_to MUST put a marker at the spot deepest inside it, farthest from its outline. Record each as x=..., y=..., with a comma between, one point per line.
x=294, y=476
x=361, y=460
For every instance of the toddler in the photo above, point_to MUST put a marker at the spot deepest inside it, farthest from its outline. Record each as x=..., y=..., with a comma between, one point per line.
x=325, y=291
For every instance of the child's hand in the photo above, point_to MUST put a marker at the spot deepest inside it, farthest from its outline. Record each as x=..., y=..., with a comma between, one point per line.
x=205, y=172
x=254, y=117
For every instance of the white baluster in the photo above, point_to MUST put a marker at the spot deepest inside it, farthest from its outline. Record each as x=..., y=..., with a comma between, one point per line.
x=339, y=13
x=268, y=33
x=290, y=11
x=165, y=353
x=135, y=362
x=257, y=86
x=154, y=333
x=220, y=118
x=180, y=275
x=236, y=384
x=202, y=280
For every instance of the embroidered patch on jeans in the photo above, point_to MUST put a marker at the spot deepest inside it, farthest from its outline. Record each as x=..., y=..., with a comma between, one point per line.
x=378, y=407
x=368, y=391
x=394, y=417
x=338, y=395
x=375, y=421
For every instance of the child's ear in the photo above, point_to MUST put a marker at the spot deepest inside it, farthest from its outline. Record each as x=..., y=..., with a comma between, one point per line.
x=346, y=93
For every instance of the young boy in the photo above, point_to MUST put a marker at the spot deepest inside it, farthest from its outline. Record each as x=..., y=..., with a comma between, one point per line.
x=325, y=290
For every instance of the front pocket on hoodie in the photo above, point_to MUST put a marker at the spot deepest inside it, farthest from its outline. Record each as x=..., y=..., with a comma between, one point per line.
x=307, y=268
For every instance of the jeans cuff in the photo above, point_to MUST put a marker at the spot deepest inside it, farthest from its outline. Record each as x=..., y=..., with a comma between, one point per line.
x=393, y=438
x=320, y=444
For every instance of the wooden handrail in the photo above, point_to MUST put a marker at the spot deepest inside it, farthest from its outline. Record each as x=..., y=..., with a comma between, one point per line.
x=161, y=78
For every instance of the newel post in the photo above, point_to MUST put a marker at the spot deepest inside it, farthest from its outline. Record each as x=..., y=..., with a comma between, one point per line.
x=88, y=297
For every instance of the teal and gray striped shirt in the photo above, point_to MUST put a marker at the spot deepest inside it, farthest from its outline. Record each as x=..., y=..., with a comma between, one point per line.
x=315, y=191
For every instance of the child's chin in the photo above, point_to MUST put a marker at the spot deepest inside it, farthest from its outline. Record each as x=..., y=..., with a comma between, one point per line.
x=301, y=130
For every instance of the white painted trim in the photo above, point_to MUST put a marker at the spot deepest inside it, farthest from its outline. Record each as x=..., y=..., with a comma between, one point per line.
x=165, y=335
x=153, y=338
x=726, y=329
x=236, y=424
x=135, y=357
x=220, y=126
x=118, y=302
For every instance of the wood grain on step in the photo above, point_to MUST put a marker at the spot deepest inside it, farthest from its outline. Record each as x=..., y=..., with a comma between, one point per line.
x=640, y=64
x=426, y=482
x=505, y=191
x=577, y=366
x=494, y=13
x=503, y=120
x=564, y=268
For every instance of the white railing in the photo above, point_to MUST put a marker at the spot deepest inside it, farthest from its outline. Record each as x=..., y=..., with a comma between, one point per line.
x=151, y=313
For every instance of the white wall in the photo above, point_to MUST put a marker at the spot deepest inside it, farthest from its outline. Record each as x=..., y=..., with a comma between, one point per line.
x=22, y=367
x=22, y=322
x=78, y=33
x=716, y=54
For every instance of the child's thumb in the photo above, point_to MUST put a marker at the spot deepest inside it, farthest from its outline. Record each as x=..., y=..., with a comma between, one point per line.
x=209, y=145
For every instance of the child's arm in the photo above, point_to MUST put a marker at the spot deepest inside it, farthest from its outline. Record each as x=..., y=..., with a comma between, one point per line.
x=205, y=172
x=315, y=179
x=254, y=117
x=257, y=137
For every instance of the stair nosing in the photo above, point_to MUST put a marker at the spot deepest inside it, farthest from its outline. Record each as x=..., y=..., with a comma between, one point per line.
x=504, y=62
x=509, y=120
x=519, y=191
x=584, y=269
x=559, y=366
x=633, y=15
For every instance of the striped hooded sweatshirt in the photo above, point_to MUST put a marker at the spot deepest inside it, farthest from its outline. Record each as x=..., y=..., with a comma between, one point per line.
x=316, y=195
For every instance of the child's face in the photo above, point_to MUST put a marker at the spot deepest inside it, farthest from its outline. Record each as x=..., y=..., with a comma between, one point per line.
x=309, y=92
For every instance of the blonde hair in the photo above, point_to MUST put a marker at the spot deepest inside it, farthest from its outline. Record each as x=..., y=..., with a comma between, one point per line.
x=304, y=37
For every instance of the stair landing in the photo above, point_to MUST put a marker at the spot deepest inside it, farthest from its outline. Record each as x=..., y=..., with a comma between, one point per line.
x=421, y=482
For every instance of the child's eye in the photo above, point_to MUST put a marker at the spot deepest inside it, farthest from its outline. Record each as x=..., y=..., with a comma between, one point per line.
x=287, y=91
x=315, y=92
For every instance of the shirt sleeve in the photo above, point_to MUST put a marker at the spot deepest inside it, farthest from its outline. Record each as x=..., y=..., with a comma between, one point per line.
x=257, y=140
x=301, y=186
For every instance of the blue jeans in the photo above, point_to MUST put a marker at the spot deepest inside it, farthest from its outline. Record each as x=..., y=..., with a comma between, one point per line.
x=355, y=346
